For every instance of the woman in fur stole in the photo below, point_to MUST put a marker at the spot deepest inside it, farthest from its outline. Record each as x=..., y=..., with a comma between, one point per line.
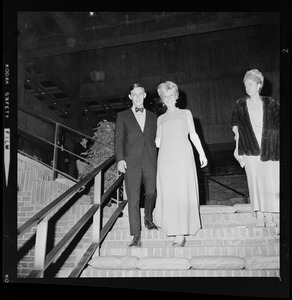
x=255, y=123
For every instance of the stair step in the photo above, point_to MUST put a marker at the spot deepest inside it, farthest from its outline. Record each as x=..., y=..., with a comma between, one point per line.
x=233, y=234
x=226, y=235
x=222, y=234
x=189, y=251
x=92, y=272
x=207, y=220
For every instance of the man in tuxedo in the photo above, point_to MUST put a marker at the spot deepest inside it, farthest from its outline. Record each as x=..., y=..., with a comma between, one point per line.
x=136, y=154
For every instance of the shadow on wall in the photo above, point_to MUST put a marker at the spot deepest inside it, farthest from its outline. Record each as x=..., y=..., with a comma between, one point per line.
x=182, y=104
x=267, y=88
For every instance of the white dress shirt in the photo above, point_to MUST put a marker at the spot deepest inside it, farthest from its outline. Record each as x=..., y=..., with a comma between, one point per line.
x=140, y=117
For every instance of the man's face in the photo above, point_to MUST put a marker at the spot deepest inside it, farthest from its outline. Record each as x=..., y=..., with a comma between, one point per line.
x=137, y=95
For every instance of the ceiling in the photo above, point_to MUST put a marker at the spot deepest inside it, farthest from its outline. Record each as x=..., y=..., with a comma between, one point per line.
x=46, y=34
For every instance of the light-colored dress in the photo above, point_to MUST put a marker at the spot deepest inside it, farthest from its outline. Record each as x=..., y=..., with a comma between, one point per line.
x=263, y=176
x=177, y=204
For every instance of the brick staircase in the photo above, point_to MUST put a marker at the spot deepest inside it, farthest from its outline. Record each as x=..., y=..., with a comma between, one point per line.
x=222, y=234
x=225, y=232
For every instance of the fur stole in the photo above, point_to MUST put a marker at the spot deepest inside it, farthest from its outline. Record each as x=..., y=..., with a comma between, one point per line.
x=247, y=144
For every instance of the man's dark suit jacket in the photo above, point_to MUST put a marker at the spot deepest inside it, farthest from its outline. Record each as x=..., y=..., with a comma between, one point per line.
x=131, y=142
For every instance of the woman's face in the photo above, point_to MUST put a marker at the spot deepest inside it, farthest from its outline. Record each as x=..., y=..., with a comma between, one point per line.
x=169, y=98
x=251, y=87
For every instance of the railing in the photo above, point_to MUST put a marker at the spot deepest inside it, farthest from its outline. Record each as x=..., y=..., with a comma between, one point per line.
x=42, y=259
x=22, y=132
x=58, y=127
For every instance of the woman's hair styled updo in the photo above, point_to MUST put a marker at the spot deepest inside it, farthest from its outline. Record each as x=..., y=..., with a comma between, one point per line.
x=166, y=86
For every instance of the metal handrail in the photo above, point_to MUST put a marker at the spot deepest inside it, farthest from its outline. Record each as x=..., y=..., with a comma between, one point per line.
x=21, y=132
x=48, y=120
x=40, y=219
x=48, y=166
x=62, y=199
x=55, y=143
x=93, y=247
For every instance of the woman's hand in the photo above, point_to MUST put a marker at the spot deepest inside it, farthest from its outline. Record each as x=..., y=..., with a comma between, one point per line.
x=203, y=161
x=239, y=158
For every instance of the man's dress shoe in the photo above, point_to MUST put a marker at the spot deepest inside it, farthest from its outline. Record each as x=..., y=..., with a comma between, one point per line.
x=150, y=224
x=136, y=242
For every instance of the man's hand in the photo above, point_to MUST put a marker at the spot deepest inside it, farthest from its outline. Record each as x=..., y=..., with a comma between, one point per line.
x=122, y=166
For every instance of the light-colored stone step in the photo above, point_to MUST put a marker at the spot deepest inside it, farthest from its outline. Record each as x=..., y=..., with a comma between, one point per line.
x=190, y=251
x=231, y=234
x=208, y=237
x=207, y=220
x=250, y=234
x=92, y=272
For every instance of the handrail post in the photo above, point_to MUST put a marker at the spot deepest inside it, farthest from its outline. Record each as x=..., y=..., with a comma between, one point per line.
x=41, y=244
x=119, y=195
x=124, y=190
x=96, y=217
x=55, y=157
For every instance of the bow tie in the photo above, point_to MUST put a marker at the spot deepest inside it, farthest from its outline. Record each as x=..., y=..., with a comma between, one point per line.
x=141, y=109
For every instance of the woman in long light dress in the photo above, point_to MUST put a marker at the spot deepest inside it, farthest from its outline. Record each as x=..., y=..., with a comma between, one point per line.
x=177, y=203
x=255, y=123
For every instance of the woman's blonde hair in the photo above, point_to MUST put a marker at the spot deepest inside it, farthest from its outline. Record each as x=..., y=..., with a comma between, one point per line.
x=165, y=87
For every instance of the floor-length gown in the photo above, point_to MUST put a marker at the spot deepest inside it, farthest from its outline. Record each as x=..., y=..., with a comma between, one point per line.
x=263, y=177
x=177, y=204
